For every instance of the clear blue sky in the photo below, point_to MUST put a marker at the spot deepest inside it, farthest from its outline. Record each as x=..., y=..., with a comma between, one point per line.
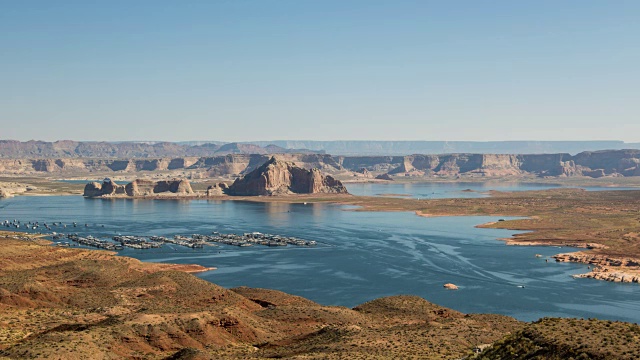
x=321, y=70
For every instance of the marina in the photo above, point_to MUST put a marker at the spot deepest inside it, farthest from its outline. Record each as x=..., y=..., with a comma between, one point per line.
x=194, y=241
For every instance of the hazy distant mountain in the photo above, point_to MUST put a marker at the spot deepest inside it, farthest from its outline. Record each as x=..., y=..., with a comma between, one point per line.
x=449, y=147
x=151, y=149
x=128, y=150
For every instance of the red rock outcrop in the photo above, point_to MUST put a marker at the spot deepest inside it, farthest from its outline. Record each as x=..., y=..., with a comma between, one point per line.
x=281, y=178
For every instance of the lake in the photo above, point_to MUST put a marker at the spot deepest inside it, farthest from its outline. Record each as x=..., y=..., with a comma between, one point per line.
x=440, y=190
x=361, y=255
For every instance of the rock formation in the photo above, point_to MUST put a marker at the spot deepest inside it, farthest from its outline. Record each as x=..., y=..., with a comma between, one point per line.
x=217, y=189
x=138, y=187
x=277, y=177
x=9, y=189
x=450, y=286
x=364, y=173
x=384, y=177
x=107, y=188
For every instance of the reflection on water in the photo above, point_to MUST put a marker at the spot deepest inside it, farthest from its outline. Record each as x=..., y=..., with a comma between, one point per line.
x=278, y=213
x=361, y=255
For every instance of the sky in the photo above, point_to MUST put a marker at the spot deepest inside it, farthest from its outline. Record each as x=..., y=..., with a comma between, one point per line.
x=320, y=70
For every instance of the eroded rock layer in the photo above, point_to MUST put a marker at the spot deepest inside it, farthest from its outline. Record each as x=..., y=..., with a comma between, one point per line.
x=591, y=164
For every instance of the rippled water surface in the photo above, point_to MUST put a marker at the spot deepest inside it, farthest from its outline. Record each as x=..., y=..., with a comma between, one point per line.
x=361, y=255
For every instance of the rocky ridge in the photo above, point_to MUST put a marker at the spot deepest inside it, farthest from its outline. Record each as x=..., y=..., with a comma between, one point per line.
x=277, y=177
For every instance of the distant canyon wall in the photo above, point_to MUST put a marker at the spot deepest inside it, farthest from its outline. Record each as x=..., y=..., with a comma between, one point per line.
x=127, y=150
x=12, y=149
x=394, y=148
x=593, y=164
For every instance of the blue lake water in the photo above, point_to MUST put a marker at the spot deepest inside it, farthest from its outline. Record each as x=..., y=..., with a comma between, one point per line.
x=439, y=190
x=361, y=255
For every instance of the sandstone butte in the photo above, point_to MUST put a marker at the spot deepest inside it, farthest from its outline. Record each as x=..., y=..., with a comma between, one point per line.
x=277, y=177
x=138, y=187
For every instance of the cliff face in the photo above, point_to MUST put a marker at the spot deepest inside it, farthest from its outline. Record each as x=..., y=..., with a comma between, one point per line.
x=593, y=164
x=277, y=177
x=137, y=187
x=401, y=148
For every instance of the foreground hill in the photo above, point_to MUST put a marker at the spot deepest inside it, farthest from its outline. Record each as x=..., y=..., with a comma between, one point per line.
x=60, y=303
x=557, y=339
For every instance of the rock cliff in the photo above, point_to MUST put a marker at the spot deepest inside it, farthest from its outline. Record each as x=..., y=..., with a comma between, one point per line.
x=277, y=177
